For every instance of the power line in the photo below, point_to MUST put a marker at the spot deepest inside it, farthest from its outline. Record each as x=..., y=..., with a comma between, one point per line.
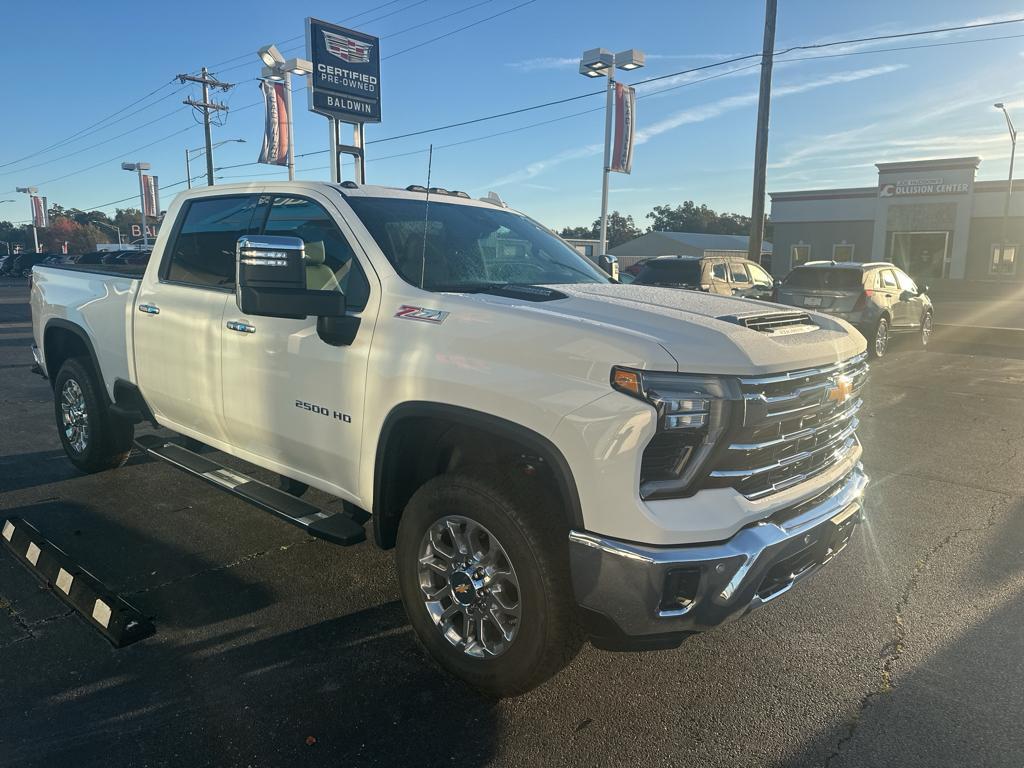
x=460, y=29
x=388, y=36
x=83, y=131
x=737, y=59
x=93, y=146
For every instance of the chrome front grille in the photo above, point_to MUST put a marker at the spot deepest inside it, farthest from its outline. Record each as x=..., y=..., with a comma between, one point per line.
x=794, y=426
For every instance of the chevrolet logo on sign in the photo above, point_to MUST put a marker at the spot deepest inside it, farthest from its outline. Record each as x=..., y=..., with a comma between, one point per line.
x=840, y=391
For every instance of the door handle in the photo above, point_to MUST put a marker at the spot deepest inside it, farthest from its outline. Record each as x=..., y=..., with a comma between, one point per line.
x=241, y=326
x=149, y=309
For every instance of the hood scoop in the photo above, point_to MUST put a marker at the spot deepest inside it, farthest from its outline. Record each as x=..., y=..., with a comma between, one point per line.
x=776, y=323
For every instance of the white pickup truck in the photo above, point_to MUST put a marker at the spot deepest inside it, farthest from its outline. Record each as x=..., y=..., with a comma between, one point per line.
x=555, y=456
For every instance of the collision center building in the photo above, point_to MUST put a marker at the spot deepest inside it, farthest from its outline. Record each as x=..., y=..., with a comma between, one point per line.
x=929, y=217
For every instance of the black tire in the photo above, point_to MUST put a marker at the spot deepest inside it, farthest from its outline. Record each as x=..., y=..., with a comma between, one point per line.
x=926, y=329
x=878, y=344
x=107, y=439
x=517, y=511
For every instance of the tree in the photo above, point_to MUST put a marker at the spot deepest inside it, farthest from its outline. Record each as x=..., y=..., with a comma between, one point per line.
x=79, y=238
x=578, y=233
x=689, y=217
x=621, y=229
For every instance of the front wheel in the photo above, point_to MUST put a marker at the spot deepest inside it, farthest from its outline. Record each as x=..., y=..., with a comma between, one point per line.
x=93, y=438
x=926, y=329
x=484, y=576
x=879, y=341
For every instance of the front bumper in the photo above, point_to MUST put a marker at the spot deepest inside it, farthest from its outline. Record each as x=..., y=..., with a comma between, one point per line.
x=634, y=595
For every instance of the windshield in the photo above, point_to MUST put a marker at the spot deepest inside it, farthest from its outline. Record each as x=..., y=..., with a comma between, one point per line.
x=466, y=247
x=669, y=272
x=824, y=278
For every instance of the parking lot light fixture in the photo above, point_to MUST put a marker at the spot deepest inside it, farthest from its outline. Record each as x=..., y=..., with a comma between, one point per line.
x=199, y=151
x=1009, y=184
x=35, y=235
x=598, y=62
x=270, y=56
x=140, y=167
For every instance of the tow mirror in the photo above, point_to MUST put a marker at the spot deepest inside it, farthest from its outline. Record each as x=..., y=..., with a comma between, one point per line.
x=270, y=280
x=609, y=264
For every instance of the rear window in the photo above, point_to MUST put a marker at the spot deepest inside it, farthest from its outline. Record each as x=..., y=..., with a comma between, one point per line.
x=823, y=278
x=669, y=271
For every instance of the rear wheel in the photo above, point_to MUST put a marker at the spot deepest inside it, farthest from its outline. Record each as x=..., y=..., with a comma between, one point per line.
x=93, y=438
x=879, y=342
x=926, y=329
x=484, y=576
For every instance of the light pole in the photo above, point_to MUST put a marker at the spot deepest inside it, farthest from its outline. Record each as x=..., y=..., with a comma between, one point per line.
x=140, y=167
x=108, y=226
x=276, y=68
x=199, y=151
x=31, y=191
x=1009, y=183
x=599, y=62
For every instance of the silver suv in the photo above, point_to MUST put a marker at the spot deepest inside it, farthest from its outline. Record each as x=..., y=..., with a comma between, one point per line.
x=877, y=298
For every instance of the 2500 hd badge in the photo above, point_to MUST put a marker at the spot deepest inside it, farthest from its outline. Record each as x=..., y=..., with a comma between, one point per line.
x=314, y=408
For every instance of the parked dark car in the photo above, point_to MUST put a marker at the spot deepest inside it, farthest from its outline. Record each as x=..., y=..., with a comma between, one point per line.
x=24, y=262
x=877, y=298
x=7, y=263
x=726, y=275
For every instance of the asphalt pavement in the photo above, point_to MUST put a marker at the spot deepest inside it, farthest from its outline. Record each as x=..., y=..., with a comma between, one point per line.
x=274, y=649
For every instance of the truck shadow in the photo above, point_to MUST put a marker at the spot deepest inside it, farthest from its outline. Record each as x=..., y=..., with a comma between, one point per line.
x=354, y=690
x=28, y=470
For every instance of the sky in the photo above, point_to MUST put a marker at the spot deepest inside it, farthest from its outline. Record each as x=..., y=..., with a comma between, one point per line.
x=832, y=118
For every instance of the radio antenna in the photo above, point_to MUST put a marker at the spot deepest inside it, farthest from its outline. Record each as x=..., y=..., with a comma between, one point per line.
x=426, y=219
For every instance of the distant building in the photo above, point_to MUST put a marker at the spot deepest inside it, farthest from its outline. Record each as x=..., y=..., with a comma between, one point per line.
x=588, y=248
x=929, y=217
x=685, y=244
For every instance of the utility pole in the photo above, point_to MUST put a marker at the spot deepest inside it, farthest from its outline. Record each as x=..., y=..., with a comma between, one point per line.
x=206, y=107
x=761, y=145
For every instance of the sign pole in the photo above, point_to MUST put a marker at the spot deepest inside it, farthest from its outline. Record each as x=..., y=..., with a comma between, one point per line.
x=335, y=157
x=357, y=141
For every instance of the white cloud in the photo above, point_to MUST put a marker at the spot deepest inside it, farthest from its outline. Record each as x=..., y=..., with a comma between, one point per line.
x=689, y=116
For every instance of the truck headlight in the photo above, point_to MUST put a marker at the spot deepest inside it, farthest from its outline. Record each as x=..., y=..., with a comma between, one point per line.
x=694, y=414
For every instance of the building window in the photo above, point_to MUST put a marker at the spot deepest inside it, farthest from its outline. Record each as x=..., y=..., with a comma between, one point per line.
x=842, y=252
x=800, y=254
x=1004, y=260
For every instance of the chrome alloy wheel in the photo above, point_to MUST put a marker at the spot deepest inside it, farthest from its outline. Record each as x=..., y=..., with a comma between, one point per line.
x=469, y=586
x=926, y=330
x=881, y=338
x=73, y=416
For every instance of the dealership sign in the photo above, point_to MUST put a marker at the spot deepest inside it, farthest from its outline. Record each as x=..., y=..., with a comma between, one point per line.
x=345, y=83
x=909, y=187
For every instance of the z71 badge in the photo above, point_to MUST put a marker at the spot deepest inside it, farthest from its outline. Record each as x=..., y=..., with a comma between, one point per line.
x=423, y=314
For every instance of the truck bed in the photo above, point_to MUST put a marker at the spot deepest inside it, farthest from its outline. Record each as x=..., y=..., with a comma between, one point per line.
x=97, y=298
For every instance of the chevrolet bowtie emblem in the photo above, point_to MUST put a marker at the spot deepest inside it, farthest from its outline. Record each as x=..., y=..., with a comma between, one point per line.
x=462, y=588
x=840, y=391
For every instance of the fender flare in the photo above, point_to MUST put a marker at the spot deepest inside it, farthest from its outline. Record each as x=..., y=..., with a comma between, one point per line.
x=78, y=331
x=384, y=525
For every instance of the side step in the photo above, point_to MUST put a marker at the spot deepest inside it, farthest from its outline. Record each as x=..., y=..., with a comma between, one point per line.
x=336, y=527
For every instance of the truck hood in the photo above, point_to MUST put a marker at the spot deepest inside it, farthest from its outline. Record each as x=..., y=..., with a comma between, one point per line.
x=699, y=330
